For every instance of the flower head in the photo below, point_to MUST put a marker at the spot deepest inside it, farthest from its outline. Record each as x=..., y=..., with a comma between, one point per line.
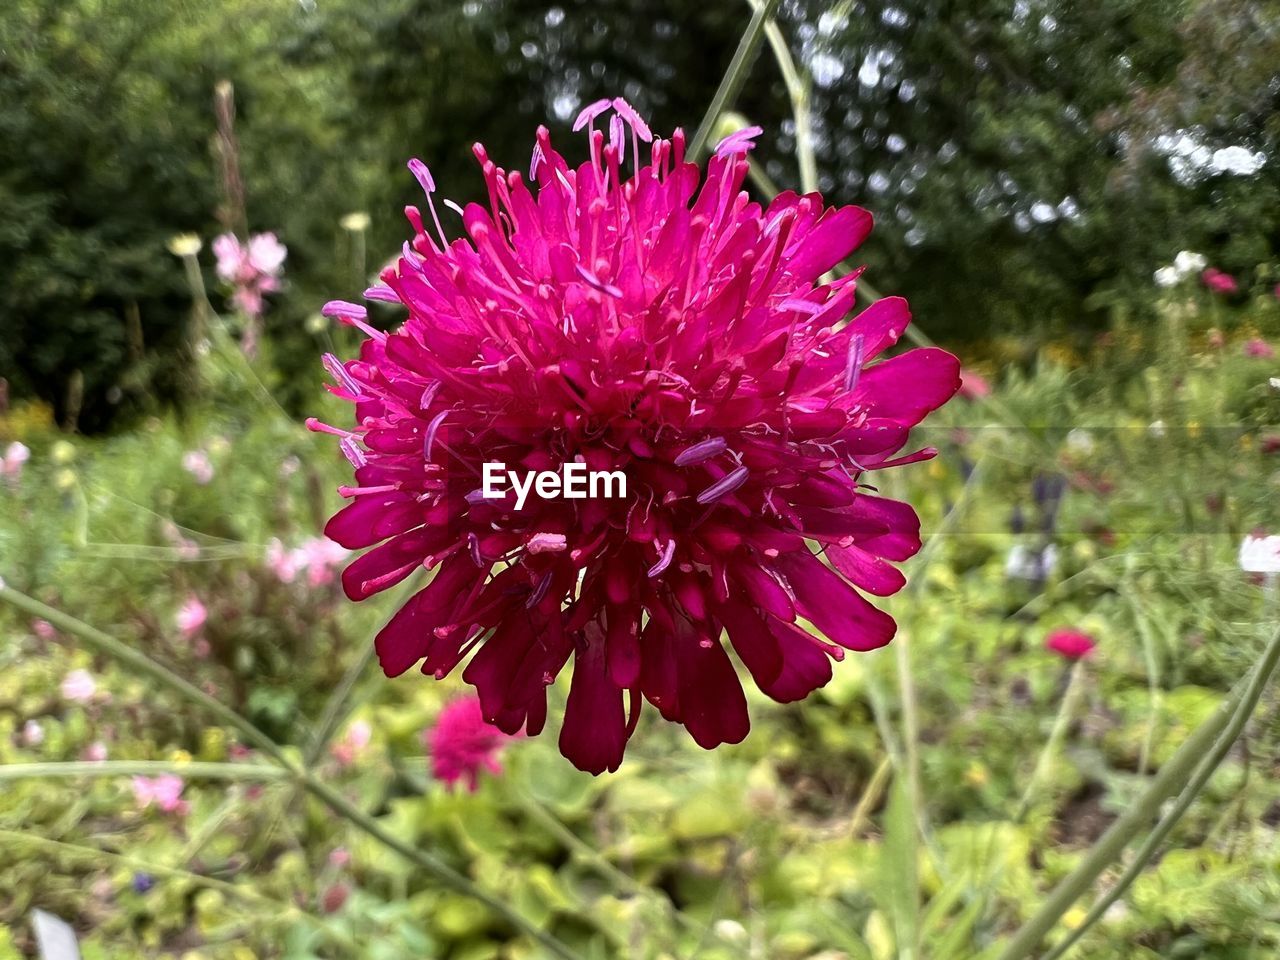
x=973, y=386
x=1259, y=348
x=1188, y=262
x=164, y=791
x=16, y=454
x=197, y=463
x=251, y=270
x=1219, y=282
x=1070, y=644
x=1260, y=554
x=78, y=686
x=623, y=315
x=353, y=743
x=191, y=616
x=461, y=743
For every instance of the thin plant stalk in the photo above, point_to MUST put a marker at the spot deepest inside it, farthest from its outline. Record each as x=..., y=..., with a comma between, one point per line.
x=1179, y=771
x=1257, y=685
x=191, y=769
x=331, y=798
x=735, y=76
x=1057, y=733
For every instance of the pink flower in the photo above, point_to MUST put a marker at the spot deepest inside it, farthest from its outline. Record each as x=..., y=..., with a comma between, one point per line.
x=973, y=386
x=96, y=752
x=1259, y=348
x=347, y=750
x=1219, y=282
x=251, y=271
x=339, y=857
x=15, y=457
x=1071, y=644
x=1216, y=339
x=78, y=686
x=165, y=791
x=32, y=734
x=43, y=629
x=461, y=744
x=196, y=463
x=623, y=318
x=191, y=616
x=321, y=557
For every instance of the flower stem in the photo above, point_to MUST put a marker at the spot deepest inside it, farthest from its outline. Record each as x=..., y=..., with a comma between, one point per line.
x=733, y=79
x=1057, y=733
x=1189, y=768
x=193, y=770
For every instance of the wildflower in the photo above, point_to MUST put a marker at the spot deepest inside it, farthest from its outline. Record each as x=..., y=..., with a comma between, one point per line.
x=334, y=897
x=347, y=750
x=32, y=734
x=251, y=270
x=1259, y=348
x=462, y=743
x=62, y=452
x=43, y=629
x=973, y=386
x=191, y=616
x=1219, y=282
x=164, y=791
x=339, y=857
x=196, y=463
x=1187, y=263
x=185, y=245
x=355, y=222
x=623, y=320
x=1260, y=554
x=15, y=457
x=1071, y=644
x=142, y=882
x=96, y=752
x=1166, y=277
x=78, y=686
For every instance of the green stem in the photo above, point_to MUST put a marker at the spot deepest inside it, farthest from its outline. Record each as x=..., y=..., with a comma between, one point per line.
x=733, y=79
x=1257, y=684
x=1180, y=770
x=1067, y=709
x=109, y=645
x=324, y=793
x=191, y=770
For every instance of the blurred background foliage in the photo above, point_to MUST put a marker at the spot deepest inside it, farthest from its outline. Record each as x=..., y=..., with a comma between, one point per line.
x=1030, y=162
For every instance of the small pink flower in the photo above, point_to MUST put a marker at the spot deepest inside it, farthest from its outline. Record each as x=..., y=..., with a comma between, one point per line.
x=191, y=616
x=321, y=557
x=462, y=744
x=226, y=249
x=96, y=752
x=78, y=686
x=1219, y=282
x=15, y=456
x=267, y=254
x=43, y=629
x=973, y=386
x=334, y=897
x=1071, y=644
x=251, y=270
x=1259, y=348
x=196, y=463
x=347, y=750
x=339, y=857
x=283, y=563
x=165, y=791
x=1216, y=339
x=32, y=734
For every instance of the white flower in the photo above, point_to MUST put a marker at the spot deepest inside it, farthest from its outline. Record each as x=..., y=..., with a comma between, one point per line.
x=1156, y=429
x=1274, y=383
x=1080, y=441
x=1187, y=263
x=1260, y=554
x=1167, y=277
x=730, y=930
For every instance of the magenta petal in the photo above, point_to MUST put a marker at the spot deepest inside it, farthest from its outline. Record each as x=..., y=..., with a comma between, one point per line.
x=712, y=705
x=405, y=639
x=866, y=570
x=593, y=735
x=906, y=387
x=835, y=608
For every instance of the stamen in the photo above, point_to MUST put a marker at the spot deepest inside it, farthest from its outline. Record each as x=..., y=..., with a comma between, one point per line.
x=668, y=552
x=539, y=591
x=705, y=450
x=597, y=283
x=432, y=427
x=546, y=543
x=428, y=184
x=590, y=112
x=853, y=366
x=319, y=426
x=362, y=491
x=352, y=315
x=339, y=373
x=473, y=542
x=725, y=485
x=381, y=292
x=740, y=141
x=355, y=456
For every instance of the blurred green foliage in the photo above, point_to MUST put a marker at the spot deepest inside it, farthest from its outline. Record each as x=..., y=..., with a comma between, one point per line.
x=805, y=842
